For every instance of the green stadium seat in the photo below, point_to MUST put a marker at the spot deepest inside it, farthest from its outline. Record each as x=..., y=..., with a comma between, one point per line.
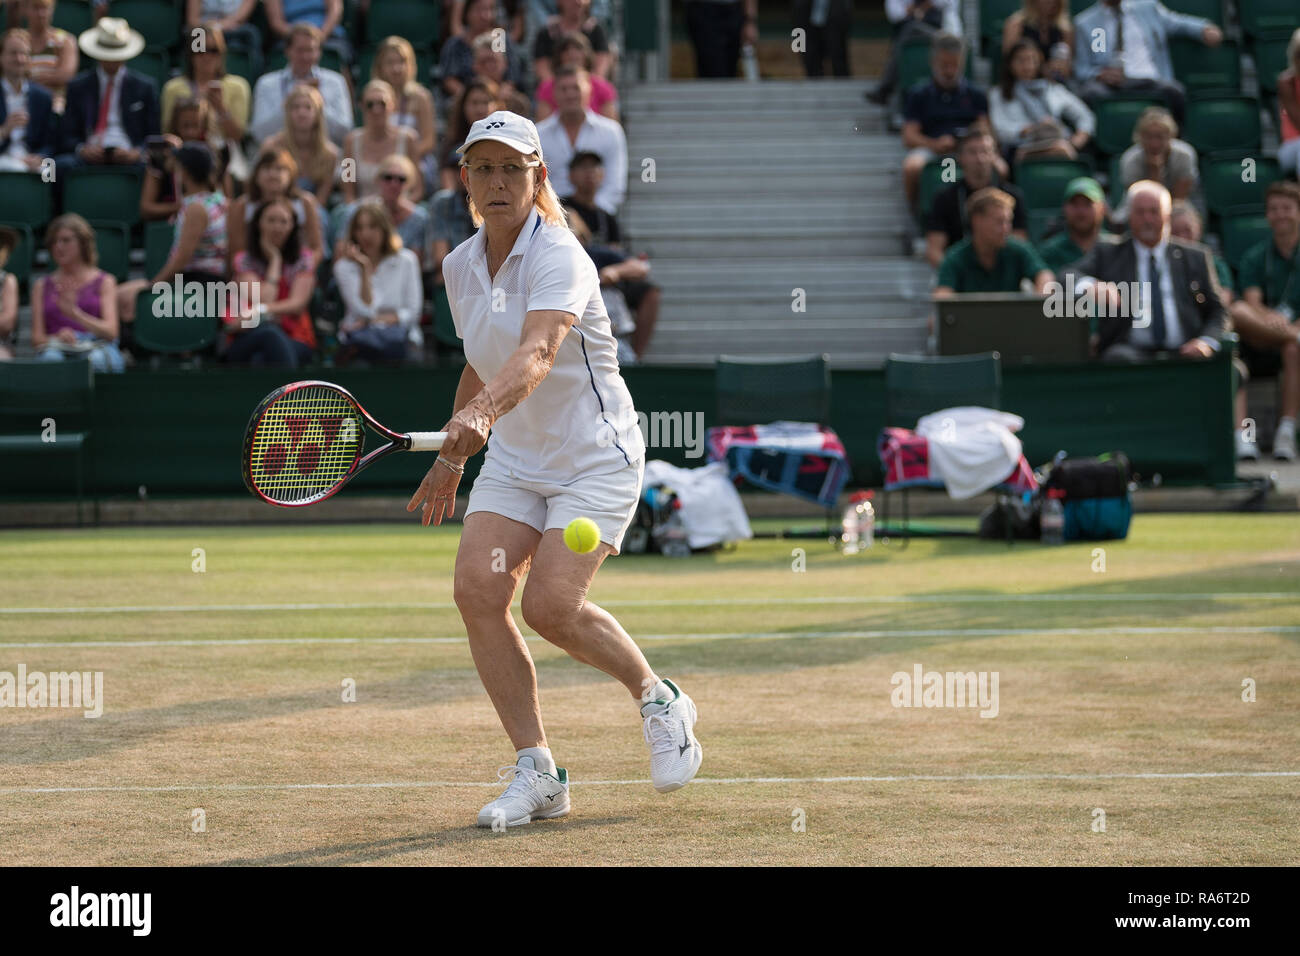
x=155, y=63
x=1224, y=189
x=20, y=259
x=932, y=182
x=158, y=21
x=238, y=63
x=174, y=332
x=113, y=243
x=1116, y=185
x=1078, y=6
x=1043, y=181
x=1116, y=118
x=108, y=193
x=1218, y=124
x=1211, y=10
x=1269, y=52
x=417, y=20
x=1240, y=232
x=1039, y=220
x=27, y=199
x=993, y=13
x=75, y=16
x=158, y=237
x=1260, y=17
x=444, y=329
x=1199, y=67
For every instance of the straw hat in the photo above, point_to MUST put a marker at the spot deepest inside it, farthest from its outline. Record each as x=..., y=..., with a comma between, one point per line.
x=111, y=39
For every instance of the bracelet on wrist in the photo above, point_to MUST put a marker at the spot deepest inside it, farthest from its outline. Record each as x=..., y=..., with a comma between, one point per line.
x=458, y=469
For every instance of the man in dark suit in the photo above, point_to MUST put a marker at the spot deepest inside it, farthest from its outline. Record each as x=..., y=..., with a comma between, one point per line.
x=26, y=131
x=1154, y=293
x=110, y=110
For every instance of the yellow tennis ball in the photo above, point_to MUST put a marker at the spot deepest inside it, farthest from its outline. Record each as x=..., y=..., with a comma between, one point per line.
x=582, y=535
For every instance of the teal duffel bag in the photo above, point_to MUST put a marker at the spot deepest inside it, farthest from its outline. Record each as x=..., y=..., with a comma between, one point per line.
x=1098, y=505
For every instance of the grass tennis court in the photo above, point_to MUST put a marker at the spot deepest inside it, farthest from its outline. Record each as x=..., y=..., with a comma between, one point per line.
x=1118, y=690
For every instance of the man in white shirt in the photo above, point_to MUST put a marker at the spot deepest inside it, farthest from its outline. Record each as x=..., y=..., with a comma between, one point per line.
x=574, y=128
x=273, y=88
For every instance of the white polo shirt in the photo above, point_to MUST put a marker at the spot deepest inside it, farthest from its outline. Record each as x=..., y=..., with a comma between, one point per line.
x=579, y=420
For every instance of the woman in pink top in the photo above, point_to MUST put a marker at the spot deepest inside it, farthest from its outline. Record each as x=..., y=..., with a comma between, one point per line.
x=1288, y=96
x=74, y=308
x=575, y=50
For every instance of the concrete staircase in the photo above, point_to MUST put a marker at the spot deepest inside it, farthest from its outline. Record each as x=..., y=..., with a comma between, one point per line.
x=761, y=189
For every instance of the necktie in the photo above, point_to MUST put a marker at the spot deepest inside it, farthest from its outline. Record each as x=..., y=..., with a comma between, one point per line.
x=1157, y=305
x=101, y=124
x=1119, y=29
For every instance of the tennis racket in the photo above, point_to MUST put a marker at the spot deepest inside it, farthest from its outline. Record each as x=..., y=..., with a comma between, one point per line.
x=305, y=442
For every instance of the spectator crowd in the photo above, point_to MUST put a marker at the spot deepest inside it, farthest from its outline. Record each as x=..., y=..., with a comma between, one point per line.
x=288, y=147
x=1010, y=184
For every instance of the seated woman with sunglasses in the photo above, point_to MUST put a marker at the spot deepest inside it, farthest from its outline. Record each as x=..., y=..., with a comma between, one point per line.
x=380, y=284
x=378, y=136
x=412, y=222
x=276, y=328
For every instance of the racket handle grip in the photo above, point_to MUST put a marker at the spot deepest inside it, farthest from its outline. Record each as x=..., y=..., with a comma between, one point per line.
x=427, y=441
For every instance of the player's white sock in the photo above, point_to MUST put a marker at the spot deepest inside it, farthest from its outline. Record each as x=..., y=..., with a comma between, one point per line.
x=543, y=762
x=657, y=697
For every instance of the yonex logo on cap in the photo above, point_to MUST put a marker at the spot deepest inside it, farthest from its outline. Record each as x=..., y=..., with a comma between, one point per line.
x=497, y=125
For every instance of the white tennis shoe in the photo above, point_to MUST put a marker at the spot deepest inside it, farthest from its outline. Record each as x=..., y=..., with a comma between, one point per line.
x=531, y=795
x=675, y=754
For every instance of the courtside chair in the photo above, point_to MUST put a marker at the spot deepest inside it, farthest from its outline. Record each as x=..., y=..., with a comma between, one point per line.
x=158, y=21
x=758, y=391
x=172, y=333
x=108, y=193
x=1043, y=181
x=28, y=199
x=1116, y=118
x=32, y=391
x=1201, y=68
x=916, y=385
x=1223, y=124
x=113, y=243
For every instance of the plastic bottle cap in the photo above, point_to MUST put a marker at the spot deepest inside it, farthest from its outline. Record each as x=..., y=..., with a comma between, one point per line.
x=1056, y=493
x=860, y=496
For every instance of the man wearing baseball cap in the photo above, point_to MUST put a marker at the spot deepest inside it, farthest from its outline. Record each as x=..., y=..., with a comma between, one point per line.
x=1084, y=211
x=542, y=376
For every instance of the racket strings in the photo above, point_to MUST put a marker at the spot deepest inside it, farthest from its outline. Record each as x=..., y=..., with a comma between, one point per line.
x=304, y=444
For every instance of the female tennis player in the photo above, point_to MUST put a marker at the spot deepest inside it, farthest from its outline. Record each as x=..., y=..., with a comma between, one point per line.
x=543, y=378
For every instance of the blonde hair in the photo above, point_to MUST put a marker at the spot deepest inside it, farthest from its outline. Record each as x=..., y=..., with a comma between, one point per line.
x=392, y=242
x=1155, y=116
x=545, y=200
x=984, y=199
x=313, y=166
x=408, y=170
x=403, y=48
x=383, y=86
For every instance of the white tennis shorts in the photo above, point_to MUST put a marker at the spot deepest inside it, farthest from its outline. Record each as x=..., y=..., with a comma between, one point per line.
x=610, y=500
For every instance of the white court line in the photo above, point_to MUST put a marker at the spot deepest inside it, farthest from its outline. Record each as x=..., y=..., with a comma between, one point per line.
x=736, y=636
x=907, y=778
x=669, y=602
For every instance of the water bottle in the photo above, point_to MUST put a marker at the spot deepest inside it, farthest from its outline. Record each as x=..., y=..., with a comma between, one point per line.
x=1052, y=521
x=749, y=62
x=858, y=525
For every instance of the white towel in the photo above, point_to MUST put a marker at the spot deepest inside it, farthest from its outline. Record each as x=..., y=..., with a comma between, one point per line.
x=711, y=510
x=971, y=448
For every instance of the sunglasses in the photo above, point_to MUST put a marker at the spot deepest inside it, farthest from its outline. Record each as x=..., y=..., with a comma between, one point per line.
x=374, y=104
x=393, y=177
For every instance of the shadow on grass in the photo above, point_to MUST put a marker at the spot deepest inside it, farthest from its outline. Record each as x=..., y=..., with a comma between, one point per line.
x=372, y=851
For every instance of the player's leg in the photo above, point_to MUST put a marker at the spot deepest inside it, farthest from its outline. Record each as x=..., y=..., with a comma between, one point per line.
x=493, y=556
